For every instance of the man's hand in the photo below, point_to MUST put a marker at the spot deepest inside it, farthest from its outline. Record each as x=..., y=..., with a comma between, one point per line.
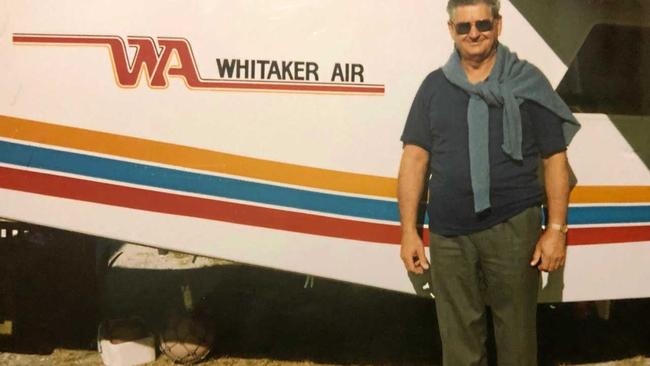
x=410, y=185
x=412, y=253
x=550, y=251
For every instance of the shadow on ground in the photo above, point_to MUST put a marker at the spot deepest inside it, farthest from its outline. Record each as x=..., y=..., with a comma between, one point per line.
x=261, y=313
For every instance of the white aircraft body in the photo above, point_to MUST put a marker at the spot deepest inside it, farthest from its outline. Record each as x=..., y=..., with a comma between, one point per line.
x=267, y=132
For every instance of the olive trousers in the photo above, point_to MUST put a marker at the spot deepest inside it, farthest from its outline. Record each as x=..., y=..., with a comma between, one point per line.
x=488, y=268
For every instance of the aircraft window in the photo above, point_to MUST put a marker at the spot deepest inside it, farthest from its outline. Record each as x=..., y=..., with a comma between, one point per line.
x=610, y=73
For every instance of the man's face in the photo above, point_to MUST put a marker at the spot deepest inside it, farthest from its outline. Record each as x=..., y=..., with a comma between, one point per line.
x=475, y=45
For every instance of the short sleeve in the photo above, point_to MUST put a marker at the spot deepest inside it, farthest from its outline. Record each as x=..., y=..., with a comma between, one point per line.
x=547, y=127
x=417, y=130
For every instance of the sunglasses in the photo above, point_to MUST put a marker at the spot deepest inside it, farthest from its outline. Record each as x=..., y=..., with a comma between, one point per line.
x=484, y=25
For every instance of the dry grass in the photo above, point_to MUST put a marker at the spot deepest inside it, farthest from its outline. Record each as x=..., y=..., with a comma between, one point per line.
x=636, y=361
x=62, y=357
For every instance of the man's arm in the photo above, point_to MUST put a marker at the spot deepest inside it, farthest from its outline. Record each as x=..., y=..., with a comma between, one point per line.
x=551, y=246
x=410, y=185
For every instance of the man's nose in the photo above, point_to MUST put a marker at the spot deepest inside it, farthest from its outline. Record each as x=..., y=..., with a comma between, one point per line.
x=473, y=32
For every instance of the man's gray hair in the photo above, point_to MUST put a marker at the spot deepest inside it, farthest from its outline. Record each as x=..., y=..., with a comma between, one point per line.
x=494, y=5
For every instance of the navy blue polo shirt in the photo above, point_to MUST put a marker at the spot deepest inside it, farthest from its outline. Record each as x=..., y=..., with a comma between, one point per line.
x=437, y=122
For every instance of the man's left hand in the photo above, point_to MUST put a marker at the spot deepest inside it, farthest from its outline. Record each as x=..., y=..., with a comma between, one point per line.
x=550, y=251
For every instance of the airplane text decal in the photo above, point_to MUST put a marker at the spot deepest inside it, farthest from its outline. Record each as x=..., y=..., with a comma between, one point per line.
x=168, y=56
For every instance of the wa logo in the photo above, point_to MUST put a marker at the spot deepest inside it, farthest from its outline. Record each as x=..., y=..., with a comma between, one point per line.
x=151, y=61
x=158, y=60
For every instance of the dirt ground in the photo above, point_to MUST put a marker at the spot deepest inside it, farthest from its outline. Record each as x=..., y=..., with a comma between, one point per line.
x=88, y=358
x=262, y=316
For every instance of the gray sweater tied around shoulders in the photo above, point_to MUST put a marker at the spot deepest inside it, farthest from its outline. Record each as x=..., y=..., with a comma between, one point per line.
x=510, y=82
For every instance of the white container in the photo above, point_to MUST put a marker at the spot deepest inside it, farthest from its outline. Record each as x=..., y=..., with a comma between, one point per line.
x=125, y=342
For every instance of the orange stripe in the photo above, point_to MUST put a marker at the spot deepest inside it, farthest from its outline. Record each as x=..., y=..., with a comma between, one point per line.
x=194, y=158
x=206, y=160
x=610, y=194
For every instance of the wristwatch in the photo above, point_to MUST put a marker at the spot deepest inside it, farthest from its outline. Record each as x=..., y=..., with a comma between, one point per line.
x=561, y=228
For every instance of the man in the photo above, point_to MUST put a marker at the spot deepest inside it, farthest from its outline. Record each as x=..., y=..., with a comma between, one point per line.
x=480, y=126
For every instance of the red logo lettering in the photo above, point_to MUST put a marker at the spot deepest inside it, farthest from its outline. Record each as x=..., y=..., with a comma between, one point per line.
x=174, y=57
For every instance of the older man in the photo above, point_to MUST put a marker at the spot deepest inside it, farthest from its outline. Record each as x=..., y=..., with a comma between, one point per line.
x=481, y=125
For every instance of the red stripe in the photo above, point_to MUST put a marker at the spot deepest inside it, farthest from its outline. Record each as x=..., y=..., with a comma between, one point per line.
x=599, y=235
x=59, y=39
x=175, y=204
x=142, y=199
x=294, y=87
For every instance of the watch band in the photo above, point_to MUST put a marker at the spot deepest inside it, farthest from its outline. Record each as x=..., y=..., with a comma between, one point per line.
x=563, y=228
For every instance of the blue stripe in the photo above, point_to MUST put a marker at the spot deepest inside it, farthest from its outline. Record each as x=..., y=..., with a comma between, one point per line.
x=609, y=215
x=166, y=178
x=122, y=171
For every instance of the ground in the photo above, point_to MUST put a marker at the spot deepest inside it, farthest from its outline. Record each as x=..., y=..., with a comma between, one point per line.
x=263, y=316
